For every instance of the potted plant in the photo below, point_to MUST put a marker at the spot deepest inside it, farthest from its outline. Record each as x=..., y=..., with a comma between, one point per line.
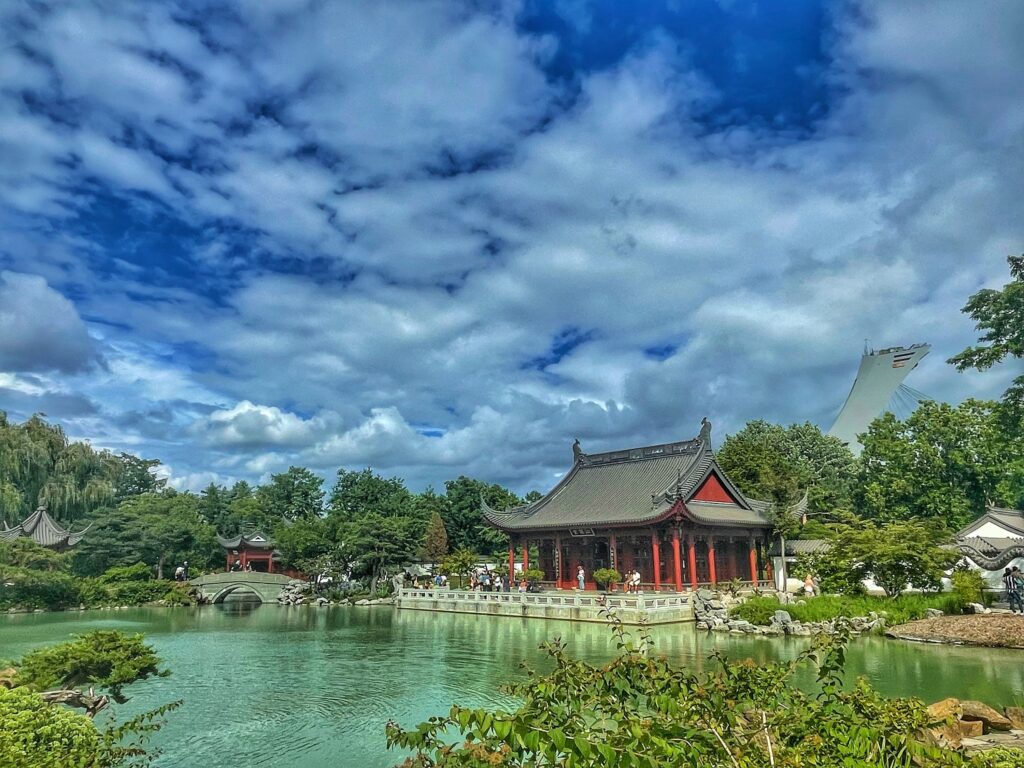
x=607, y=578
x=533, y=576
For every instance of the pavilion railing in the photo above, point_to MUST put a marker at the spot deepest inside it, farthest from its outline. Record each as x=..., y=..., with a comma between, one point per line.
x=567, y=598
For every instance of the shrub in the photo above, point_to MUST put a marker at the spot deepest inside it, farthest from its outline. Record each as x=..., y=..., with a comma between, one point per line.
x=533, y=575
x=968, y=585
x=122, y=573
x=24, y=588
x=907, y=607
x=34, y=734
x=609, y=577
x=640, y=710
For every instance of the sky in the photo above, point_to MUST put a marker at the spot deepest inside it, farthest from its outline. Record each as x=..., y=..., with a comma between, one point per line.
x=443, y=238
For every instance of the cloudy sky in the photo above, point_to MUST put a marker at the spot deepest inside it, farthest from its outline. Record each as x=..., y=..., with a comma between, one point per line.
x=447, y=237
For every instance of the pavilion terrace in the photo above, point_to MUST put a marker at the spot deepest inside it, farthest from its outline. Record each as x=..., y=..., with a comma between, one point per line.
x=668, y=511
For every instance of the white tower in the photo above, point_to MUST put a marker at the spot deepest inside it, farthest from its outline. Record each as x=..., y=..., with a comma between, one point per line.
x=880, y=375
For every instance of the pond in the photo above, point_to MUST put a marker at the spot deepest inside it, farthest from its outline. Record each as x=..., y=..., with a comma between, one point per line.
x=313, y=687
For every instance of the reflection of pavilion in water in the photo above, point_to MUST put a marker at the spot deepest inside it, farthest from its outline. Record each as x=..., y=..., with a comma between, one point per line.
x=667, y=511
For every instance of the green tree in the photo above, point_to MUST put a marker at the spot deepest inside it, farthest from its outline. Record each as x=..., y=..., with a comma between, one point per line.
x=942, y=463
x=136, y=476
x=214, y=501
x=302, y=541
x=380, y=545
x=292, y=495
x=84, y=673
x=356, y=494
x=775, y=463
x=464, y=520
x=459, y=563
x=156, y=528
x=896, y=555
x=1000, y=315
x=435, y=540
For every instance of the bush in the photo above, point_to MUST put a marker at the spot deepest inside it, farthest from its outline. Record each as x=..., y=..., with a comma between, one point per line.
x=24, y=588
x=907, y=607
x=122, y=573
x=968, y=585
x=640, y=710
x=34, y=734
x=607, y=576
x=533, y=575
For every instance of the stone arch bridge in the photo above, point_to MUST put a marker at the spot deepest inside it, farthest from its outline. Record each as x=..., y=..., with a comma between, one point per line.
x=216, y=586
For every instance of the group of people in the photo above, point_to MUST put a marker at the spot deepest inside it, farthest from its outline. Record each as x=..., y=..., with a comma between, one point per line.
x=181, y=572
x=1013, y=583
x=631, y=582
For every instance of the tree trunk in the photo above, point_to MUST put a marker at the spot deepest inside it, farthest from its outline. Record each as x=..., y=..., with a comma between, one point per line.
x=90, y=702
x=160, y=567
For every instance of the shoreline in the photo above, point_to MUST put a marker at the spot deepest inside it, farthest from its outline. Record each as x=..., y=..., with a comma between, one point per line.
x=993, y=630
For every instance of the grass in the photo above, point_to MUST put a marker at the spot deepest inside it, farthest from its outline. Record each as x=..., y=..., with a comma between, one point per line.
x=759, y=610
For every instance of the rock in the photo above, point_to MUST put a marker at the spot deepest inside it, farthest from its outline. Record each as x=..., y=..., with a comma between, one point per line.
x=7, y=677
x=723, y=627
x=970, y=728
x=992, y=719
x=944, y=736
x=975, y=608
x=706, y=595
x=1014, y=714
x=716, y=605
x=945, y=710
x=364, y=601
x=932, y=613
x=782, y=618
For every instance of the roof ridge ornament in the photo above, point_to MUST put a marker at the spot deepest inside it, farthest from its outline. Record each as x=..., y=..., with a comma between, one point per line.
x=577, y=451
x=705, y=430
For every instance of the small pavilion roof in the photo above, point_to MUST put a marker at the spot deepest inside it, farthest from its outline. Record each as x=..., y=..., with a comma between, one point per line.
x=43, y=530
x=254, y=540
x=633, y=487
x=1012, y=520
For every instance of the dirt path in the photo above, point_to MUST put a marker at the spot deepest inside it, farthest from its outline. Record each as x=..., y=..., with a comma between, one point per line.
x=996, y=630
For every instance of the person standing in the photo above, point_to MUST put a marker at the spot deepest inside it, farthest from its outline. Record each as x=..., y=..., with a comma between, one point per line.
x=581, y=578
x=636, y=582
x=1017, y=595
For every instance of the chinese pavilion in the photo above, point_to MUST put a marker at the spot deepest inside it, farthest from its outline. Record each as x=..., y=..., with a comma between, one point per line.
x=667, y=511
x=43, y=530
x=254, y=550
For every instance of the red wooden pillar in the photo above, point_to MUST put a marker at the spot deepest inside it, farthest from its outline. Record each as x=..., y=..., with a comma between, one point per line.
x=245, y=559
x=753, y=562
x=526, y=554
x=712, y=571
x=270, y=563
x=229, y=561
x=691, y=552
x=656, y=559
x=613, y=553
x=677, y=560
x=558, y=562
x=511, y=563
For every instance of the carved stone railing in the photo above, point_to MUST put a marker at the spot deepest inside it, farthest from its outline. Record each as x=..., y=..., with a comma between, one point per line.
x=584, y=606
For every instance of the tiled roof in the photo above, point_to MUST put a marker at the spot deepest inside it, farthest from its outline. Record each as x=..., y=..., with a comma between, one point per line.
x=43, y=530
x=802, y=547
x=254, y=540
x=633, y=486
x=1010, y=519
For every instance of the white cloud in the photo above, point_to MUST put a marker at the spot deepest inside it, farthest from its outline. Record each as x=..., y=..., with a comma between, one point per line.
x=40, y=330
x=425, y=215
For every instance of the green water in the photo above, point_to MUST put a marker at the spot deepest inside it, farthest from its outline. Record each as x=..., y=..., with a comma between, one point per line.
x=313, y=687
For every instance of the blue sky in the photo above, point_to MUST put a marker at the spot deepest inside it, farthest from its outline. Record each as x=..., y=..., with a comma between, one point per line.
x=438, y=238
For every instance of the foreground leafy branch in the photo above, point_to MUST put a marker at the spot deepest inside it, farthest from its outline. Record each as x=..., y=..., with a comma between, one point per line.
x=641, y=711
x=37, y=728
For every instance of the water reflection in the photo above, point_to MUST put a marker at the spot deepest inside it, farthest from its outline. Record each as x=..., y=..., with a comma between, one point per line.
x=313, y=687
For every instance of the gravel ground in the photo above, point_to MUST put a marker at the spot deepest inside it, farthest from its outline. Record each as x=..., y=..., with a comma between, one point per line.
x=999, y=630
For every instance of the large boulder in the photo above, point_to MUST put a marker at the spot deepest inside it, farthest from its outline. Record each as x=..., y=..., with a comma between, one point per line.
x=7, y=677
x=945, y=710
x=782, y=618
x=1014, y=714
x=991, y=718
